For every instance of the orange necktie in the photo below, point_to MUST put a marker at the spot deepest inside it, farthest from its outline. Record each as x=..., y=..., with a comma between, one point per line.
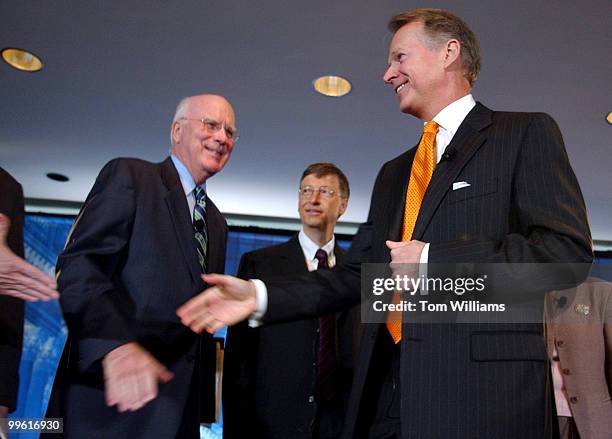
x=422, y=169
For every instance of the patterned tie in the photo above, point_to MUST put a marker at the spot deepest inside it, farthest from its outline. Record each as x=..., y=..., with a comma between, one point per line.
x=422, y=169
x=200, y=227
x=326, y=361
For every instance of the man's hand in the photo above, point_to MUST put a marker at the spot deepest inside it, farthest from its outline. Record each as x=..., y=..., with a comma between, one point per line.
x=17, y=277
x=3, y=422
x=131, y=377
x=405, y=252
x=230, y=301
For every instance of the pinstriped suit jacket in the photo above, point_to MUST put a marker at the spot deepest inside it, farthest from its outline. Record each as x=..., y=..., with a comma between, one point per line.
x=524, y=205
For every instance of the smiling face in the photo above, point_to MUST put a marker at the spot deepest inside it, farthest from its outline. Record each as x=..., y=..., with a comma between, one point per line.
x=204, y=152
x=417, y=72
x=319, y=212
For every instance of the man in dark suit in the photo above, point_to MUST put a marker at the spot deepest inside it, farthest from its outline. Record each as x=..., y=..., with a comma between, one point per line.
x=501, y=190
x=19, y=280
x=293, y=379
x=144, y=236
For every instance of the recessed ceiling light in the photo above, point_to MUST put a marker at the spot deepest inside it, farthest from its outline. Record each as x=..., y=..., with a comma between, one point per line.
x=21, y=59
x=57, y=177
x=331, y=85
x=609, y=117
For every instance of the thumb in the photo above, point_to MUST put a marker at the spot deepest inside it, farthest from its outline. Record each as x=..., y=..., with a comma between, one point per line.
x=5, y=225
x=163, y=374
x=216, y=279
x=394, y=244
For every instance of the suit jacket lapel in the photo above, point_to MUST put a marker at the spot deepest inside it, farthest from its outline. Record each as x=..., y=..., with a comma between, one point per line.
x=179, y=213
x=295, y=256
x=397, y=195
x=466, y=141
x=216, y=225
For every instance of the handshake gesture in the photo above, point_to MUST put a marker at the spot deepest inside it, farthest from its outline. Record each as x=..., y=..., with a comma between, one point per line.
x=229, y=301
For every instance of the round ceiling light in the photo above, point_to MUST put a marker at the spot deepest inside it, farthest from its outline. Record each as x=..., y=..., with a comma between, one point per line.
x=21, y=59
x=331, y=85
x=609, y=117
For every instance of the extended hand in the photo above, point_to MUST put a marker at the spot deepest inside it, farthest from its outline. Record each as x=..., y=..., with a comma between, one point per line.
x=230, y=301
x=131, y=377
x=17, y=277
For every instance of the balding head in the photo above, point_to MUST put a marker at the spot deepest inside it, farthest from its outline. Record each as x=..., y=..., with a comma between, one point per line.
x=201, y=134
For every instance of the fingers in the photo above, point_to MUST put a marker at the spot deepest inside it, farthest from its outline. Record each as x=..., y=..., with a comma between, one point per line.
x=5, y=225
x=31, y=284
x=194, y=313
x=131, y=377
x=190, y=309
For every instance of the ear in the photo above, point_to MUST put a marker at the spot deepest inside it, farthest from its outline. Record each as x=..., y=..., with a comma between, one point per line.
x=175, y=132
x=342, y=207
x=452, y=52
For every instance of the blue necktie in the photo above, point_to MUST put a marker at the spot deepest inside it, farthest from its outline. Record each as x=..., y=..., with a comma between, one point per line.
x=200, y=227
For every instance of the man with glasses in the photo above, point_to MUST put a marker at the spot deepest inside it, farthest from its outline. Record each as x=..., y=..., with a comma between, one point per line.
x=293, y=379
x=145, y=235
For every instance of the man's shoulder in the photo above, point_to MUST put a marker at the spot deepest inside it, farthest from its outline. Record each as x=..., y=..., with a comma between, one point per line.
x=8, y=181
x=129, y=170
x=272, y=251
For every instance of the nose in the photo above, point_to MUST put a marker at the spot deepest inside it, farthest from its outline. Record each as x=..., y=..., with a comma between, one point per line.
x=221, y=136
x=315, y=198
x=390, y=73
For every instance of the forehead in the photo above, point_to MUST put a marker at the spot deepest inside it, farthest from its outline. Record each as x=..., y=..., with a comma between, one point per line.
x=211, y=106
x=406, y=36
x=329, y=180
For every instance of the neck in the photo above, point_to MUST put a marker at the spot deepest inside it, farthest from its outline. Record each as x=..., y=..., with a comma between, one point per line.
x=319, y=237
x=455, y=91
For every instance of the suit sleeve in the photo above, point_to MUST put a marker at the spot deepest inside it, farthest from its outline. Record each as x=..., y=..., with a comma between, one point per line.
x=549, y=218
x=88, y=269
x=239, y=420
x=11, y=309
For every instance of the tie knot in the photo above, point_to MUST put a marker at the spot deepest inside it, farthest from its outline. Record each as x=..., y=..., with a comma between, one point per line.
x=200, y=195
x=431, y=127
x=321, y=256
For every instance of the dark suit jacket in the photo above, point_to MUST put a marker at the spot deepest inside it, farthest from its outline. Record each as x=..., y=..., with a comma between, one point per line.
x=129, y=263
x=270, y=372
x=579, y=320
x=11, y=309
x=524, y=205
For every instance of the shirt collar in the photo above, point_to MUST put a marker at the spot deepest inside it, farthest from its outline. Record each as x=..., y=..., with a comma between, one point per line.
x=309, y=247
x=453, y=114
x=187, y=180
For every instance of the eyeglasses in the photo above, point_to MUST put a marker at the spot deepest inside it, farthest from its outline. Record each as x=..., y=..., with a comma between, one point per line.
x=307, y=192
x=213, y=126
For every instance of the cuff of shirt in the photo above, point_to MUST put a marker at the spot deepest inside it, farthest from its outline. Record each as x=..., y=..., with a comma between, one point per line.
x=423, y=266
x=261, y=301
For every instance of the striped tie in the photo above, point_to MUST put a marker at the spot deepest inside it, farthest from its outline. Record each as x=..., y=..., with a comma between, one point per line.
x=422, y=169
x=200, y=227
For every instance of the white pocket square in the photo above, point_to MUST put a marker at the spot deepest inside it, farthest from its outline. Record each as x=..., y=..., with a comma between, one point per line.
x=460, y=185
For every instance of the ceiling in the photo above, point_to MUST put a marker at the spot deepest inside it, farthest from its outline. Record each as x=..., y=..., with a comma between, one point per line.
x=114, y=71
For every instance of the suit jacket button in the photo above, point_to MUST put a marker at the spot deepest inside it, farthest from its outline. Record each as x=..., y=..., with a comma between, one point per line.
x=573, y=399
x=311, y=399
x=190, y=358
x=566, y=371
